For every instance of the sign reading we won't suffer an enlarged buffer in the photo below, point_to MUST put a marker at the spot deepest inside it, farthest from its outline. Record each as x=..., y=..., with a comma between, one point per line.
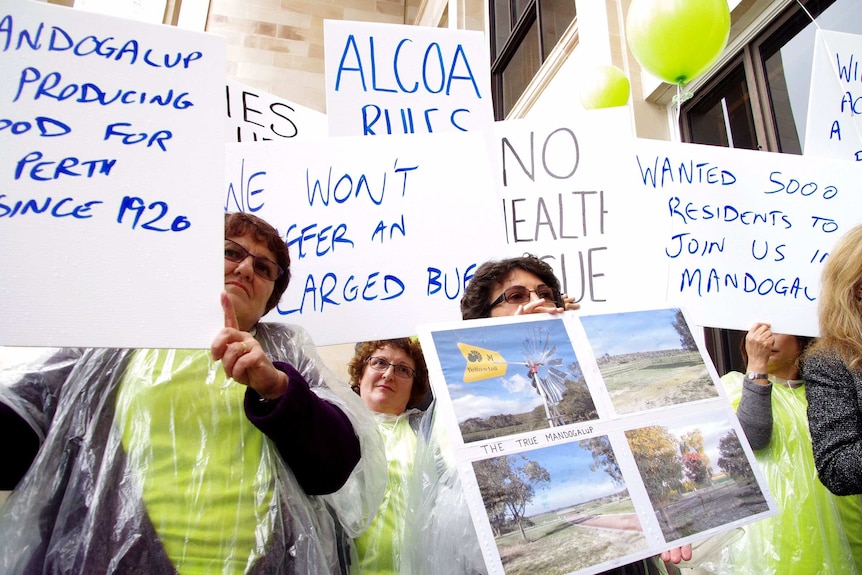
x=110, y=147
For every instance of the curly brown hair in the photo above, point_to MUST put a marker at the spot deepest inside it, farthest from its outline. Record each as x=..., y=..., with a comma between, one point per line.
x=421, y=388
x=476, y=302
x=238, y=224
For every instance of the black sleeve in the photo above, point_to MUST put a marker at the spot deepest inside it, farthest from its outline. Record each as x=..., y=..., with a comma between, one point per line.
x=21, y=446
x=315, y=438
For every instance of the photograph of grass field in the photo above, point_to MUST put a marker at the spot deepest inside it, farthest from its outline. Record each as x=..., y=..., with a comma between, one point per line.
x=648, y=359
x=559, y=509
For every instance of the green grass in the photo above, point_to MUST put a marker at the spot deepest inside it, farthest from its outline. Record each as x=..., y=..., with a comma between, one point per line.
x=638, y=382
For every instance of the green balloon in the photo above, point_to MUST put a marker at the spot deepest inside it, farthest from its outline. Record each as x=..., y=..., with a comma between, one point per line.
x=604, y=87
x=677, y=40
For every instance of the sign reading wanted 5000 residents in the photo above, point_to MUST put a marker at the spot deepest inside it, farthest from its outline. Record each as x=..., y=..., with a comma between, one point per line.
x=110, y=169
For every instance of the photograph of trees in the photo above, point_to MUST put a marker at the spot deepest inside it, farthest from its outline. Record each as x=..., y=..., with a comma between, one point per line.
x=529, y=378
x=696, y=475
x=559, y=509
x=648, y=359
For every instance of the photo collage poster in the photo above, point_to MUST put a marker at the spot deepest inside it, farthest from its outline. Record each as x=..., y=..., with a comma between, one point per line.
x=586, y=442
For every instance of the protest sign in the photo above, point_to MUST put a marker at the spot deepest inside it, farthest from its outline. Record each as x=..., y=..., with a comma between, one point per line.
x=745, y=233
x=834, y=125
x=568, y=198
x=110, y=169
x=399, y=79
x=254, y=115
x=735, y=236
x=383, y=232
x=564, y=467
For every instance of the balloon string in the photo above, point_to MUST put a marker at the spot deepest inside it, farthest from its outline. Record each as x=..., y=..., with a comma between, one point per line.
x=680, y=97
x=804, y=9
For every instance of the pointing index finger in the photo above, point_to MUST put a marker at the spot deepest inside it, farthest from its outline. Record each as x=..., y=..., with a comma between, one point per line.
x=229, y=313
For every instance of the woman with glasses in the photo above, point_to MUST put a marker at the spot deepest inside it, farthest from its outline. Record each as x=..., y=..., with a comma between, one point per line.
x=524, y=285
x=391, y=378
x=189, y=461
x=423, y=526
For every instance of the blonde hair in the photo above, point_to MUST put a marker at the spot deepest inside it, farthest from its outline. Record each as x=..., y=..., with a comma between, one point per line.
x=840, y=310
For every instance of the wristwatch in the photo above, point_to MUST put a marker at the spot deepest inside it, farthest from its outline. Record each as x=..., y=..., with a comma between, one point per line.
x=752, y=375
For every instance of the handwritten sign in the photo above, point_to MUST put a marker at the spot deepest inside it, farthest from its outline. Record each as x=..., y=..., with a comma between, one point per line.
x=745, y=233
x=734, y=236
x=575, y=413
x=834, y=127
x=383, y=233
x=254, y=115
x=393, y=79
x=109, y=175
x=568, y=199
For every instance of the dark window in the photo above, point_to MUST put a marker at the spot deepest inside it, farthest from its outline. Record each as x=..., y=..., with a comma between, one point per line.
x=760, y=101
x=524, y=33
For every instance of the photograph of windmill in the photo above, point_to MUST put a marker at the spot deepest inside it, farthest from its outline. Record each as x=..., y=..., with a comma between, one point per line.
x=696, y=475
x=559, y=509
x=648, y=359
x=513, y=378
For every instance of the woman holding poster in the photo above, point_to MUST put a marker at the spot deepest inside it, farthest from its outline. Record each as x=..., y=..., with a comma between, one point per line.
x=525, y=285
x=189, y=461
x=832, y=368
x=814, y=531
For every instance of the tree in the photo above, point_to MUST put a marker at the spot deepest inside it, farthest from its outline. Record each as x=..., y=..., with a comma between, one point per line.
x=732, y=459
x=508, y=487
x=577, y=404
x=656, y=453
x=604, y=457
x=694, y=459
x=685, y=339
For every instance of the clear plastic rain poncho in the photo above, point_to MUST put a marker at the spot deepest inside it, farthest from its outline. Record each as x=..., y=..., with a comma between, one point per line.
x=423, y=526
x=143, y=469
x=814, y=532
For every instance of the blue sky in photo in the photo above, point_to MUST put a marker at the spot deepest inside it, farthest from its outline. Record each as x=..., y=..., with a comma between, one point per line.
x=572, y=482
x=511, y=393
x=631, y=332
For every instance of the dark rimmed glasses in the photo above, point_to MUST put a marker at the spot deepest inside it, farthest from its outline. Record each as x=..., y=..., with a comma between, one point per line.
x=519, y=295
x=265, y=268
x=400, y=370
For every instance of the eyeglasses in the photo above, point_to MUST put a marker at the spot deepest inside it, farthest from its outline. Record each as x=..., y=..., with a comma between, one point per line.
x=267, y=269
x=401, y=370
x=518, y=295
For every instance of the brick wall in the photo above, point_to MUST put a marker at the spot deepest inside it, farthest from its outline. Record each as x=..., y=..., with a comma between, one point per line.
x=277, y=45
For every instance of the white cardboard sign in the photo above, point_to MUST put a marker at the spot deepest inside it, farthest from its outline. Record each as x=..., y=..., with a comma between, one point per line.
x=834, y=127
x=399, y=79
x=383, y=233
x=745, y=233
x=735, y=236
x=255, y=115
x=568, y=198
x=109, y=174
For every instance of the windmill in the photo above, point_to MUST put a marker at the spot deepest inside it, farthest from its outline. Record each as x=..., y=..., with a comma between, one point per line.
x=545, y=373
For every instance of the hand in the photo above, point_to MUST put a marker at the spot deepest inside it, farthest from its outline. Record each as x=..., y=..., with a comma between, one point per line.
x=243, y=358
x=542, y=306
x=759, y=342
x=569, y=303
x=677, y=554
